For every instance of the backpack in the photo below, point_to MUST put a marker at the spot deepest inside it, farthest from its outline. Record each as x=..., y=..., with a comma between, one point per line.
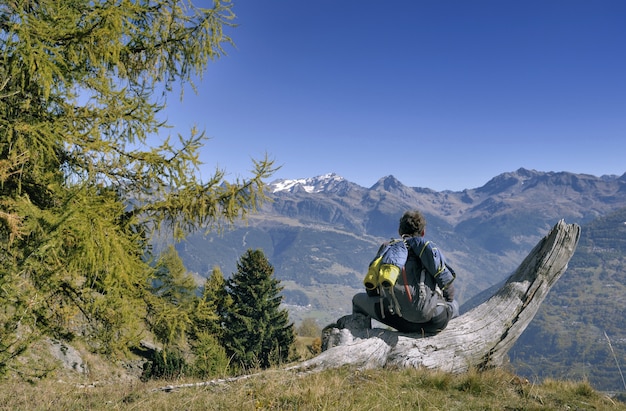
x=385, y=268
x=381, y=277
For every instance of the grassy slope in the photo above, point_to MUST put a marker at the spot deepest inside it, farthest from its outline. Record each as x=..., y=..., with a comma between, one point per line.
x=342, y=389
x=111, y=387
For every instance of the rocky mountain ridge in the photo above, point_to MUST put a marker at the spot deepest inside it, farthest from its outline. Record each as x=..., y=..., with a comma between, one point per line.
x=322, y=231
x=508, y=188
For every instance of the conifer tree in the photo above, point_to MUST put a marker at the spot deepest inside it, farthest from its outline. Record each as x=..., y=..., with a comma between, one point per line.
x=82, y=186
x=257, y=333
x=212, y=305
x=173, y=301
x=207, y=333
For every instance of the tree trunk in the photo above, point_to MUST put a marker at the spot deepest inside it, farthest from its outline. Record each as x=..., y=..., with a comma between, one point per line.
x=479, y=338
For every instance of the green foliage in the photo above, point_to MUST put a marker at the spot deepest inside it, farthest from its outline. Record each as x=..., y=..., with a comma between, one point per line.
x=174, y=299
x=82, y=188
x=212, y=306
x=257, y=333
x=165, y=364
x=206, y=334
x=211, y=359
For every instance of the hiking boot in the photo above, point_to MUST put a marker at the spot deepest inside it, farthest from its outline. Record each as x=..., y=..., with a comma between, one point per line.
x=355, y=321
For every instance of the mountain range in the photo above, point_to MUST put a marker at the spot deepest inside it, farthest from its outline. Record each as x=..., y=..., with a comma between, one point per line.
x=320, y=234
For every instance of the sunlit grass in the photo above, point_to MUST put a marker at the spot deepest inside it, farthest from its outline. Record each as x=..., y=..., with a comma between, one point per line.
x=340, y=389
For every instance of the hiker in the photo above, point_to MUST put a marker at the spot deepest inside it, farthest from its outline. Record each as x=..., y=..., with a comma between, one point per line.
x=402, y=306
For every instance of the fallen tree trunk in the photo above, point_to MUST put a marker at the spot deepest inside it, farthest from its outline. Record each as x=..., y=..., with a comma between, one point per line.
x=480, y=338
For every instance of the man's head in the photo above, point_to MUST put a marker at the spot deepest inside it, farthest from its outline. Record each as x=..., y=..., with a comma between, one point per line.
x=412, y=223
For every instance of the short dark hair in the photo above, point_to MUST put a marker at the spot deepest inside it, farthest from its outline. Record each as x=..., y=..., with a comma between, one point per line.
x=412, y=223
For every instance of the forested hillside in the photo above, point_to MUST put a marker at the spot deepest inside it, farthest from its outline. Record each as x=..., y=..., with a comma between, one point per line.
x=580, y=330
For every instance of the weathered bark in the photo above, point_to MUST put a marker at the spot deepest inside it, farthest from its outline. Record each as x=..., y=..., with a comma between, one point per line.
x=479, y=338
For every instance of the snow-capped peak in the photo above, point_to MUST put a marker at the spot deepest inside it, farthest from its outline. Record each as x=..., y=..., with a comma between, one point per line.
x=310, y=185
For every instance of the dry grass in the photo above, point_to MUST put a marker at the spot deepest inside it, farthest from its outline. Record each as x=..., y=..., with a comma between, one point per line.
x=341, y=389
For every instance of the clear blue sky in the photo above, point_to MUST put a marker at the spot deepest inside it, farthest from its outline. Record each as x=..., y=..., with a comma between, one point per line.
x=443, y=94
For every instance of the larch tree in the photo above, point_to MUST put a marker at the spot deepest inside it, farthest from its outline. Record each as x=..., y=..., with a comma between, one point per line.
x=171, y=306
x=206, y=334
x=82, y=189
x=212, y=305
x=257, y=332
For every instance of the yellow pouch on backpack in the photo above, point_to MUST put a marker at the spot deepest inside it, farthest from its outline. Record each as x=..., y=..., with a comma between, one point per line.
x=388, y=275
x=371, y=278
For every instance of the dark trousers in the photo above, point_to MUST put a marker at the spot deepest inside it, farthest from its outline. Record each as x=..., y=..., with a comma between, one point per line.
x=371, y=306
